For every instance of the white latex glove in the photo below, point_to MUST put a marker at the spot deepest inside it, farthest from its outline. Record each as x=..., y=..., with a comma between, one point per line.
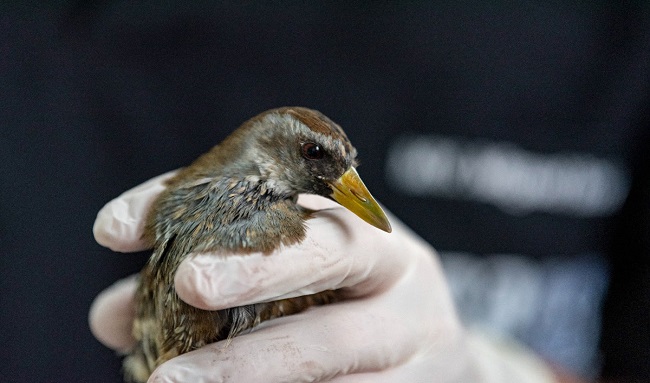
x=397, y=325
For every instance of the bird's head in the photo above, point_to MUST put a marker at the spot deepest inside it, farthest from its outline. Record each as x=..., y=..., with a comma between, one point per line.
x=300, y=150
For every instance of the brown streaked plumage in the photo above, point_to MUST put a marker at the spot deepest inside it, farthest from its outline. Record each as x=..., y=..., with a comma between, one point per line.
x=239, y=198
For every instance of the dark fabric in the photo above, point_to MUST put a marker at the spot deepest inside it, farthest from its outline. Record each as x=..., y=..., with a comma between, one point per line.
x=97, y=97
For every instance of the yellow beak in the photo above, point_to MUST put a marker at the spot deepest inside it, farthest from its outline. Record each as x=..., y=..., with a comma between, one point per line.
x=352, y=194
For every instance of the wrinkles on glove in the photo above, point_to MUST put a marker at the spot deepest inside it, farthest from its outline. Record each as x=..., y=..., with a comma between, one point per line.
x=120, y=223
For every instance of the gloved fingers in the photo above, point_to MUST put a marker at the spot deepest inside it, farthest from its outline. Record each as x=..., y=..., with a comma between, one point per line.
x=340, y=251
x=120, y=223
x=352, y=337
x=111, y=314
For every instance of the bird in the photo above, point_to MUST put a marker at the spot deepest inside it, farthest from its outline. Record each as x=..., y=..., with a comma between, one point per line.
x=240, y=198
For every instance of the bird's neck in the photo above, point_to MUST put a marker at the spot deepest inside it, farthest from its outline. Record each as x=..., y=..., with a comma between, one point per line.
x=239, y=214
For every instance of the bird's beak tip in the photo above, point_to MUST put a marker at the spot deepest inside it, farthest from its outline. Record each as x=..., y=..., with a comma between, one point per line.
x=351, y=193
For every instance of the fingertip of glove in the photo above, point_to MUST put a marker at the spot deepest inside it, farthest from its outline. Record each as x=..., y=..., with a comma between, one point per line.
x=120, y=229
x=193, y=286
x=111, y=315
x=213, y=281
x=120, y=223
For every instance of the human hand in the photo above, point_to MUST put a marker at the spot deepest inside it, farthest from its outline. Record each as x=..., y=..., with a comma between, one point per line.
x=397, y=324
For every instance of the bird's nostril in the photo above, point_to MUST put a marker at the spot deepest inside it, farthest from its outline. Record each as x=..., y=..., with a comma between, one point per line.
x=359, y=196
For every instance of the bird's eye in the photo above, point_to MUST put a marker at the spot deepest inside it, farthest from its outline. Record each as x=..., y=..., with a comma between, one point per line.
x=312, y=151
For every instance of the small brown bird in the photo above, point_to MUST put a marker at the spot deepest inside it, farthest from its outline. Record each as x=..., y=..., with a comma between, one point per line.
x=240, y=197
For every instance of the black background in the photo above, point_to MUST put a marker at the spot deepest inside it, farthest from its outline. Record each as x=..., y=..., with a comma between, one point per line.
x=98, y=97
